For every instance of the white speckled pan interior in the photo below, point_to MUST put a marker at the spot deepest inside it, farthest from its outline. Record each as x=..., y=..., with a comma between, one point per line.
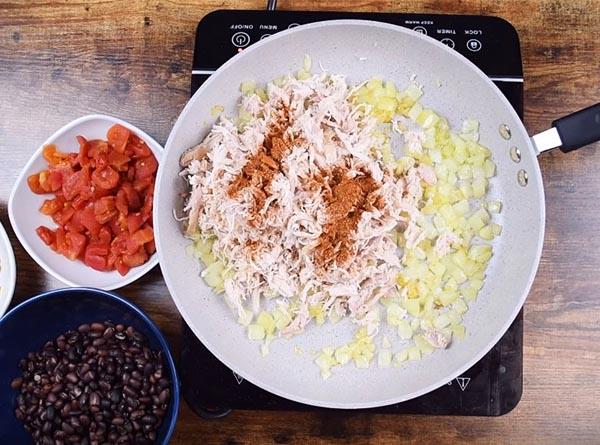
x=360, y=50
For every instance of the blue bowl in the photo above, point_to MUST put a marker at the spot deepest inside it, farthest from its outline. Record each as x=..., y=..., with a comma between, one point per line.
x=27, y=327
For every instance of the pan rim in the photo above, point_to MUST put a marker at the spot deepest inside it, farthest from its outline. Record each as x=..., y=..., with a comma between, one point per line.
x=534, y=180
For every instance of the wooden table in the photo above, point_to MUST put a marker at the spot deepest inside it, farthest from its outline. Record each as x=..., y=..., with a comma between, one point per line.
x=61, y=60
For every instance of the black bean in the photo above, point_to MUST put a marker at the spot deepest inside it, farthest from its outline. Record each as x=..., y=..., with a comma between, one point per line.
x=97, y=384
x=148, y=419
x=97, y=327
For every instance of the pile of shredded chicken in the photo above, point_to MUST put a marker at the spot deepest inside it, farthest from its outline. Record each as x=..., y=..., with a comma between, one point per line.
x=299, y=204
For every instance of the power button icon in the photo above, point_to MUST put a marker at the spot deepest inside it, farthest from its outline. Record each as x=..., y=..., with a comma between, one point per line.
x=240, y=39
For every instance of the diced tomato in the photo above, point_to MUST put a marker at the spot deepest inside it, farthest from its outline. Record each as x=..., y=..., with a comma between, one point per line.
x=130, y=174
x=138, y=148
x=141, y=184
x=139, y=238
x=118, y=245
x=87, y=218
x=77, y=184
x=55, y=179
x=102, y=201
x=115, y=226
x=136, y=259
x=62, y=216
x=79, y=202
x=105, y=235
x=121, y=203
x=75, y=244
x=99, y=193
x=97, y=262
x=74, y=226
x=121, y=267
x=55, y=157
x=134, y=221
x=47, y=235
x=133, y=198
x=119, y=161
x=145, y=167
x=118, y=136
x=147, y=207
x=111, y=259
x=51, y=206
x=150, y=247
x=61, y=242
x=96, y=147
x=104, y=209
x=34, y=184
x=105, y=177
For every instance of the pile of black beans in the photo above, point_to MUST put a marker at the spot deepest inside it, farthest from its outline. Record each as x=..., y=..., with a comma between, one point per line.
x=99, y=384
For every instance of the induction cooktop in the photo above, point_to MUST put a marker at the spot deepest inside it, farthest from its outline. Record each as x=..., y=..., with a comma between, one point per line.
x=493, y=386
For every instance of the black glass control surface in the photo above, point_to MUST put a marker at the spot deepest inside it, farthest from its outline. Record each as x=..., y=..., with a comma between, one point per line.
x=494, y=385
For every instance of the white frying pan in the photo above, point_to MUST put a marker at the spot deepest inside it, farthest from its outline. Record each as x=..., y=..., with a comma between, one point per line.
x=393, y=53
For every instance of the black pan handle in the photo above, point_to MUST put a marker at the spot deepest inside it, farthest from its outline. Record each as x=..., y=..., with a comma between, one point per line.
x=579, y=129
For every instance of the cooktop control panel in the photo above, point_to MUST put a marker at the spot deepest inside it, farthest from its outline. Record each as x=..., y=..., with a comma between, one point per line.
x=484, y=40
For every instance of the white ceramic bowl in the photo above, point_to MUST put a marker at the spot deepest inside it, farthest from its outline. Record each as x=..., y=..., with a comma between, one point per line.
x=8, y=271
x=24, y=216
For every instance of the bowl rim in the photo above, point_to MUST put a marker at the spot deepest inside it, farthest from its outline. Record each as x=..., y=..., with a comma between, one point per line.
x=8, y=288
x=164, y=344
x=136, y=272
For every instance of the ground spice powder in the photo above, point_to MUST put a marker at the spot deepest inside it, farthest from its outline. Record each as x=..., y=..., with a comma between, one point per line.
x=347, y=197
x=258, y=173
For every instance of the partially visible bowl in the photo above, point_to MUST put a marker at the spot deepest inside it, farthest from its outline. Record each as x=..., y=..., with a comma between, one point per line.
x=28, y=326
x=24, y=216
x=8, y=271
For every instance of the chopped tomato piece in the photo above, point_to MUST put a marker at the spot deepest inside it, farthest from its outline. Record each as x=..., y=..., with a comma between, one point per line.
x=139, y=238
x=105, y=177
x=74, y=226
x=119, y=243
x=54, y=157
x=119, y=161
x=121, y=203
x=141, y=184
x=104, y=209
x=97, y=262
x=75, y=243
x=34, y=184
x=133, y=198
x=95, y=147
x=77, y=184
x=118, y=136
x=136, y=259
x=105, y=235
x=51, y=206
x=145, y=167
x=150, y=247
x=61, y=242
x=62, y=216
x=47, y=235
x=139, y=148
x=87, y=218
x=55, y=179
x=121, y=267
x=134, y=221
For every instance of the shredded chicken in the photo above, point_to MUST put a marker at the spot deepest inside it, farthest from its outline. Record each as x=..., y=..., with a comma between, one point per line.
x=274, y=253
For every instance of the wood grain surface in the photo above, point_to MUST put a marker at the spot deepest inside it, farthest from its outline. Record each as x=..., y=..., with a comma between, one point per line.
x=132, y=59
